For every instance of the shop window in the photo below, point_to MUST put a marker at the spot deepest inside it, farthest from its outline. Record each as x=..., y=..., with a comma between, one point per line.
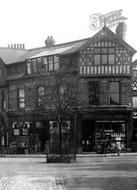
x=41, y=93
x=93, y=90
x=114, y=93
x=21, y=98
x=134, y=102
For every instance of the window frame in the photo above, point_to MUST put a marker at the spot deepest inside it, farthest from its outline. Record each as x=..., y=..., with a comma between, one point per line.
x=98, y=51
x=94, y=93
x=40, y=96
x=115, y=93
x=21, y=98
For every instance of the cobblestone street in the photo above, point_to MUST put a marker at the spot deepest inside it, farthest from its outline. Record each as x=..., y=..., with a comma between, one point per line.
x=95, y=173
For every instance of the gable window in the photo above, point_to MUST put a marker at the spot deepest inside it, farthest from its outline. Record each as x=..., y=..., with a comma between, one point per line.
x=21, y=94
x=114, y=91
x=104, y=56
x=93, y=92
x=41, y=93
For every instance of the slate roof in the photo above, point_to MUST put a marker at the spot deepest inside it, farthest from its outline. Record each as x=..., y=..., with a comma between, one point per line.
x=65, y=48
x=10, y=55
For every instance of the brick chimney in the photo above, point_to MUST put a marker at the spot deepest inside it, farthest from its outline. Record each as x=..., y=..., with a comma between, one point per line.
x=121, y=30
x=16, y=46
x=49, y=41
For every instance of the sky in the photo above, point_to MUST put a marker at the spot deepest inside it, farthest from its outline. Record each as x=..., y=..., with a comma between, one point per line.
x=31, y=21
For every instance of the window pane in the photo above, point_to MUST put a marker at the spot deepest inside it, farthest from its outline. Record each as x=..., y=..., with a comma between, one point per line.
x=114, y=87
x=114, y=99
x=104, y=59
x=21, y=98
x=104, y=50
x=93, y=88
x=34, y=65
x=51, y=62
x=41, y=91
x=135, y=102
x=97, y=59
x=21, y=93
x=111, y=50
x=111, y=59
x=29, y=67
x=114, y=93
x=97, y=50
x=22, y=105
x=56, y=63
x=45, y=62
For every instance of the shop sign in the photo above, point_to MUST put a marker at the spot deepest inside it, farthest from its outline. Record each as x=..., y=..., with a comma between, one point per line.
x=99, y=20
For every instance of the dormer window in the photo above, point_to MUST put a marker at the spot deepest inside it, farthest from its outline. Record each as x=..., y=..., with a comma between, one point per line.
x=29, y=71
x=43, y=64
x=51, y=63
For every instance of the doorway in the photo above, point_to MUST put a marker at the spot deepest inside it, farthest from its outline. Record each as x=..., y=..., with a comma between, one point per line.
x=88, y=135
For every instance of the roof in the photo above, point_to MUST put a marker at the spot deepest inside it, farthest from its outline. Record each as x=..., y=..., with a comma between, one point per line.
x=64, y=48
x=74, y=46
x=10, y=55
x=108, y=34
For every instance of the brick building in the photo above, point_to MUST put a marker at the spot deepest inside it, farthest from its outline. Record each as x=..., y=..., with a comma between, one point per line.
x=102, y=79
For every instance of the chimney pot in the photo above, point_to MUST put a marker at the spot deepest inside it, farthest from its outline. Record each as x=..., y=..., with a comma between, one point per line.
x=49, y=41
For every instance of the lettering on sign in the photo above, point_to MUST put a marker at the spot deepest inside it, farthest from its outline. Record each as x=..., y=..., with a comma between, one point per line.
x=99, y=20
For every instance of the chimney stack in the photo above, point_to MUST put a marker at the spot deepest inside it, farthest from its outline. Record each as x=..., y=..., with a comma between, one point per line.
x=49, y=41
x=121, y=30
x=16, y=46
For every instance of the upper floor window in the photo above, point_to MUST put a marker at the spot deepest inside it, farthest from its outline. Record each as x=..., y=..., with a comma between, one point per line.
x=21, y=94
x=29, y=70
x=93, y=92
x=51, y=63
x=34, y=66
x=114, y=93
x=41, y=93
x=104, y=56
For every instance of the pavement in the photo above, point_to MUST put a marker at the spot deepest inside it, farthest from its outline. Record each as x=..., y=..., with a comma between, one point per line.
x=90, y=172
x=92, y=154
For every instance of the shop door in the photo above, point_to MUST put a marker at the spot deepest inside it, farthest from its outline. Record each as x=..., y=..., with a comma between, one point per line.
x=88, y=135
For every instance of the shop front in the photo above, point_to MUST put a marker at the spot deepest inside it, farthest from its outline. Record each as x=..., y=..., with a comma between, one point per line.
x=28, y=137
x=96, y=129
x=111, y=132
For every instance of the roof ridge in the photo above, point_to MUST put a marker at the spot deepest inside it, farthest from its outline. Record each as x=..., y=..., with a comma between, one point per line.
x=60, y=44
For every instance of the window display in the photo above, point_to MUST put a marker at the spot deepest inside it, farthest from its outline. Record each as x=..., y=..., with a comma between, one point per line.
x=112, y=132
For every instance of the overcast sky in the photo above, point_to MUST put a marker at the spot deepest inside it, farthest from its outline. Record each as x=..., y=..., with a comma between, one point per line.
x=31, y=21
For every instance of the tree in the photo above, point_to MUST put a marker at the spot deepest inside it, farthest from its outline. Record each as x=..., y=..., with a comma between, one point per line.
x=61, y=100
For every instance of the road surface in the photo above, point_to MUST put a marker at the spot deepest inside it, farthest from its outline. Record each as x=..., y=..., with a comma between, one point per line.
x=94, y=173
